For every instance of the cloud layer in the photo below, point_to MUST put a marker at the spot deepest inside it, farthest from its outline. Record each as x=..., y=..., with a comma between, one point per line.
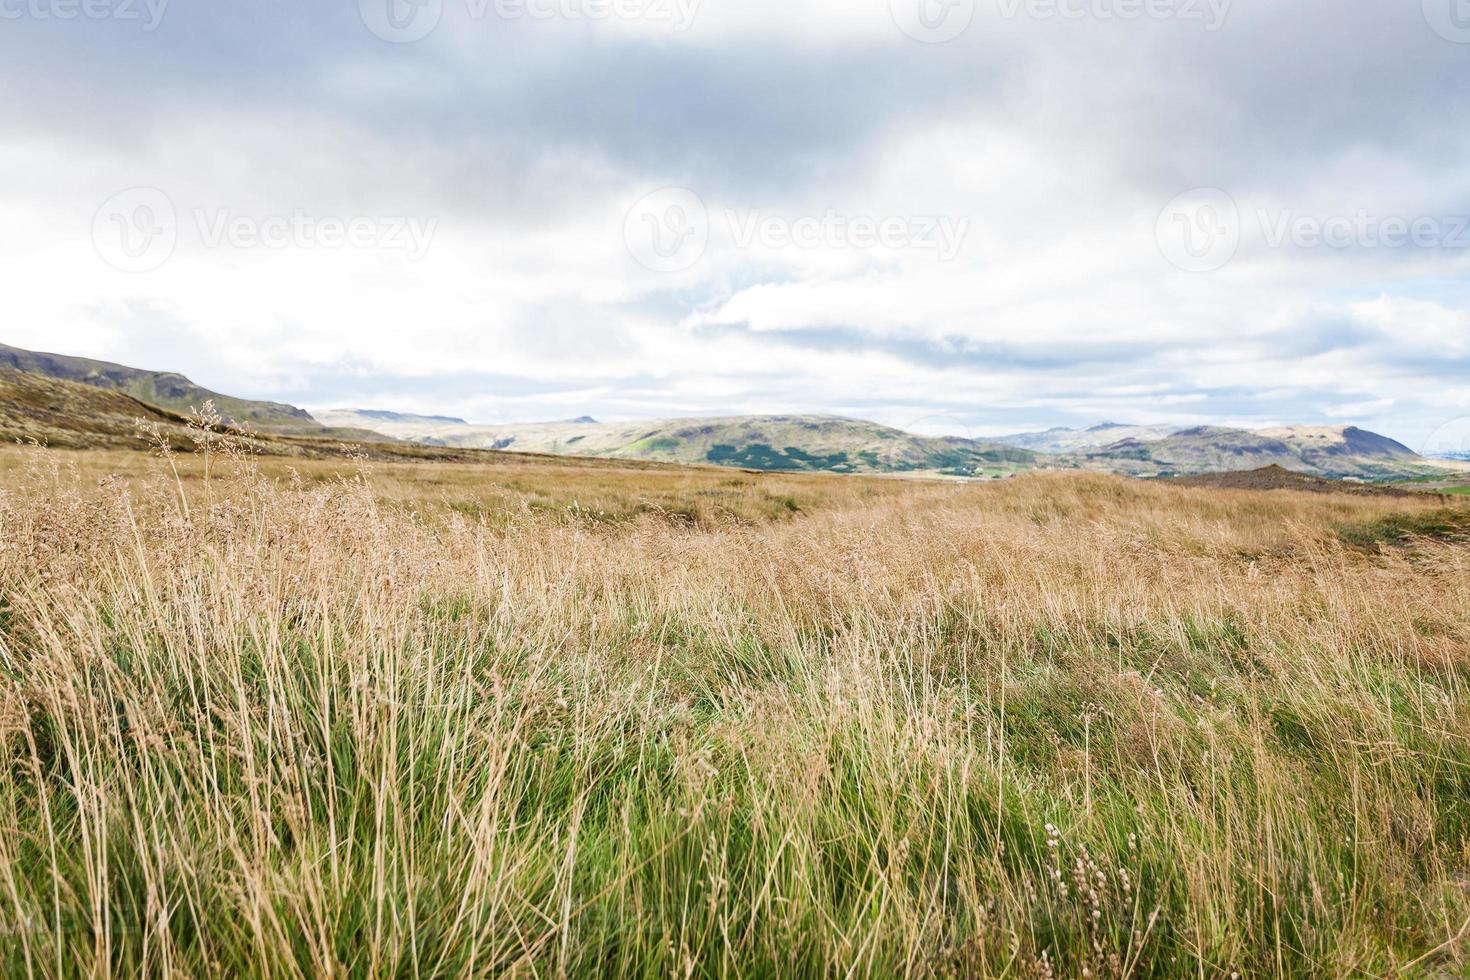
x=979, y=235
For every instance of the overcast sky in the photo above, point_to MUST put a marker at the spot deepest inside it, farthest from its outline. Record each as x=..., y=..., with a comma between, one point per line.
x=952, y=215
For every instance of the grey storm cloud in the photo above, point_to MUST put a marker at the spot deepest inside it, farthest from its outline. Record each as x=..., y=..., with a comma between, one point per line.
x=746, y=116
x=1273, y=97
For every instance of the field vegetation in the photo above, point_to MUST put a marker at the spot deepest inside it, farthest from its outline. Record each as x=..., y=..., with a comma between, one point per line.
x=326, y=718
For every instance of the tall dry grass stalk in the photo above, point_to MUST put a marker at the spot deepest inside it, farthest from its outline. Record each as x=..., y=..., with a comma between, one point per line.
x=1064, y=726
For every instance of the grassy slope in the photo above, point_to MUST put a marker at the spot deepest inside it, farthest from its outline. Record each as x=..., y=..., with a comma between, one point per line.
x=64, y=415
x=172, y=392
x=403, y=724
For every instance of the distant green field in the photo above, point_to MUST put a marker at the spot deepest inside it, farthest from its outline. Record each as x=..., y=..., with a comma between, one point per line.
x=1464, y=491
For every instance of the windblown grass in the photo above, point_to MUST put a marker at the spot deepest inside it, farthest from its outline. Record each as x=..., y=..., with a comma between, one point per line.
x=1061, y=726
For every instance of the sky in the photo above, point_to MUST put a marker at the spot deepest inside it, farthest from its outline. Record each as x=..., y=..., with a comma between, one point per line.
x=953, y=216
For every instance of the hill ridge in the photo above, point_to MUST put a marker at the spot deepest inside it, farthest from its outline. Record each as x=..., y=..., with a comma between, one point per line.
x=172, y=391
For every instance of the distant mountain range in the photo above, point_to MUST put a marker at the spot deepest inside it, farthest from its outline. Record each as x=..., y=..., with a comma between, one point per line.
x=78, y=402
x=828, y=443
x=1172, y=450
x=766, y=442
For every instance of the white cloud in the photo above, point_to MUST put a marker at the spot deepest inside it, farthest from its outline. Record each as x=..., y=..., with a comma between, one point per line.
x=1054, y=145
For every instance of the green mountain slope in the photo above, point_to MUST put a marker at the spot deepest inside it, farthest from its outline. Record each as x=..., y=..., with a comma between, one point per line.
x=761, y=442
x=69, y=415
x=173, y=392
x=1340, y=452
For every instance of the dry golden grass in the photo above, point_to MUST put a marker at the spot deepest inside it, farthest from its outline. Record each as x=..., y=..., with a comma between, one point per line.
x=582, y=490
x=551, y=720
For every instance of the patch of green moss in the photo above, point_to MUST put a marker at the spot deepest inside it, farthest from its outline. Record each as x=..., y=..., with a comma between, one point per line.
x=1402, y=530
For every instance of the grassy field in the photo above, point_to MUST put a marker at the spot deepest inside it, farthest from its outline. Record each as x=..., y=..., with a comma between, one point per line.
x=550, y=719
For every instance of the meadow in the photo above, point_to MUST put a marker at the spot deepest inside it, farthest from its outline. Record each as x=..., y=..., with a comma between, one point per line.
x=543, y=719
